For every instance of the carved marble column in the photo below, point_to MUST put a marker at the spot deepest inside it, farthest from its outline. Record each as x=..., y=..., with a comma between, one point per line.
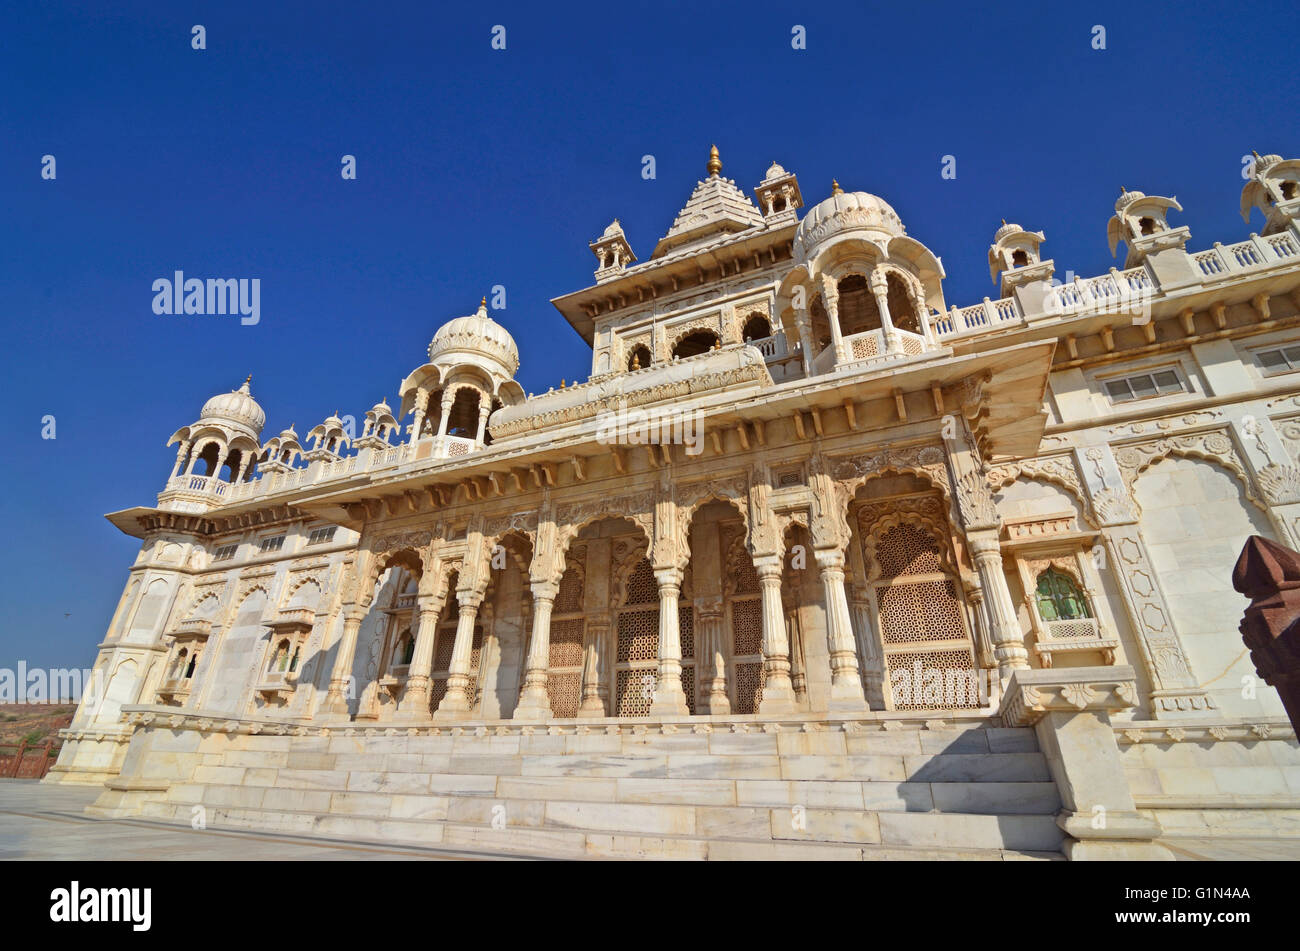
x=880, y=290
x=846, y=683
x=448, y=399
x=804, y=325
x=535, y=698
x=336, y=699
x=778, y=690
x=484, y=410
x=596, y=636
x=415, y=699
x=457, y=701
x=831, y=301
x=1008, y=640
x=669, y=698
x=711, y=647
x=181, y=450
x=594, y=691
x=421, y=407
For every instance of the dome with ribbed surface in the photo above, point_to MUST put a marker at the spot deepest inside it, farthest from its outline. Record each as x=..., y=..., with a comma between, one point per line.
x=236, y=407
x=476, y=335
x=845, y=211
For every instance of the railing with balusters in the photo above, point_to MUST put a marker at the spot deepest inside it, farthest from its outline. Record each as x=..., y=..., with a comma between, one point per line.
x=1123, y=289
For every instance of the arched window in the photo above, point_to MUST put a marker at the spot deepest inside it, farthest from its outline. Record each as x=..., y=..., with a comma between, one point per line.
x=1059, y=597
x=902, y=309
x=756, y=328
x=693, y=344
x=1019, y=258
x=463, y=420
x=639, y=358
x=857, y=306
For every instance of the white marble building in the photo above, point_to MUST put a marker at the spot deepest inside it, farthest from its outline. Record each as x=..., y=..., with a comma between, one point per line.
x=949, y=579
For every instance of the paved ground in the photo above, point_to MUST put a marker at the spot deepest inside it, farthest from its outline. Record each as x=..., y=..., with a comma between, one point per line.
x=46, y=822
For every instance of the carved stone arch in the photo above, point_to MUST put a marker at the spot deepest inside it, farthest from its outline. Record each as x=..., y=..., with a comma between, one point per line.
x=692, y=498
x=1214, y=446
x=860, y=258
x=572, y=520
x=297, y=580
x=913, y=513
x=1057, y=470
x=711, y=324
x=622, y=571
x=927, y=463
x=247, y=588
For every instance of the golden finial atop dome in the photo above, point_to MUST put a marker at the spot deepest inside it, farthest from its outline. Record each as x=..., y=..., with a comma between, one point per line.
x=715, y=163
x=835, y=188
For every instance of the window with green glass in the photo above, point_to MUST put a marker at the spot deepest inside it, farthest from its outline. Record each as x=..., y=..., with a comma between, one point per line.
x=1059, y=597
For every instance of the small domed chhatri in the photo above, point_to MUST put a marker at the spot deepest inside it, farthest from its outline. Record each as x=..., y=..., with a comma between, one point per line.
x=845, y=212
x=617, y=557
x=475, y=335
x=236, y=407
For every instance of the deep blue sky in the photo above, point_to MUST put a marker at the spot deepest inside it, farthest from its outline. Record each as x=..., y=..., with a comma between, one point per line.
x=479, y=167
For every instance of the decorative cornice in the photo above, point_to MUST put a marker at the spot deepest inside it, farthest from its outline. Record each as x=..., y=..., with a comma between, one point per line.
x=1031, y=694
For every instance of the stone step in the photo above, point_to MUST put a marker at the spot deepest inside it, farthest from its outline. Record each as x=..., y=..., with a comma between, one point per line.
x=997, y=828
x=971, y=739
x=320, y=791
x=925, y=767
x=965, y=841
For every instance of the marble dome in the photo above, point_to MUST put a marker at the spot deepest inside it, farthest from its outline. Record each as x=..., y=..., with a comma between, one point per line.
x=845, y=211
x=475, y=335
x=236, y=408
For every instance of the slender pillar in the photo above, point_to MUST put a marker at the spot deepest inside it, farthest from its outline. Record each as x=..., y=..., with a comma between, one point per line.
x=448, y=398
x=713, y=663
x=484, y=409
x=181, y=450
x=880, y=290
x=778, y=691
x=457, y=701
x=335, y=706
x=923, y=316
x=421, y=407
x=415, y=699
x=669, y=698
x=846, y=681
x=804, y=323
x=831, y=299
x=594, y=692
x=1004, y=627
x=534, y=698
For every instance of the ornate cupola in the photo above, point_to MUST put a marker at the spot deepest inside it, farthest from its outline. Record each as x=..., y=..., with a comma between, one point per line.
x=380, y=424
x=328, y=440
x=1015, y=256
x=1140, y=222
x=862, y=291
x=471, y=369
x=778, y=196
x=280, y=452
x=613, y=253
x=221, y=447
x=1274, y=188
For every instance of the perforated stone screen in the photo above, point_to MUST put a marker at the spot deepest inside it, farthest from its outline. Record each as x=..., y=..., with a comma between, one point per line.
x=920, y=611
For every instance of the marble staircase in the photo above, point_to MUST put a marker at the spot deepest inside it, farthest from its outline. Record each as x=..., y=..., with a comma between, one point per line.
x=944, y=790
